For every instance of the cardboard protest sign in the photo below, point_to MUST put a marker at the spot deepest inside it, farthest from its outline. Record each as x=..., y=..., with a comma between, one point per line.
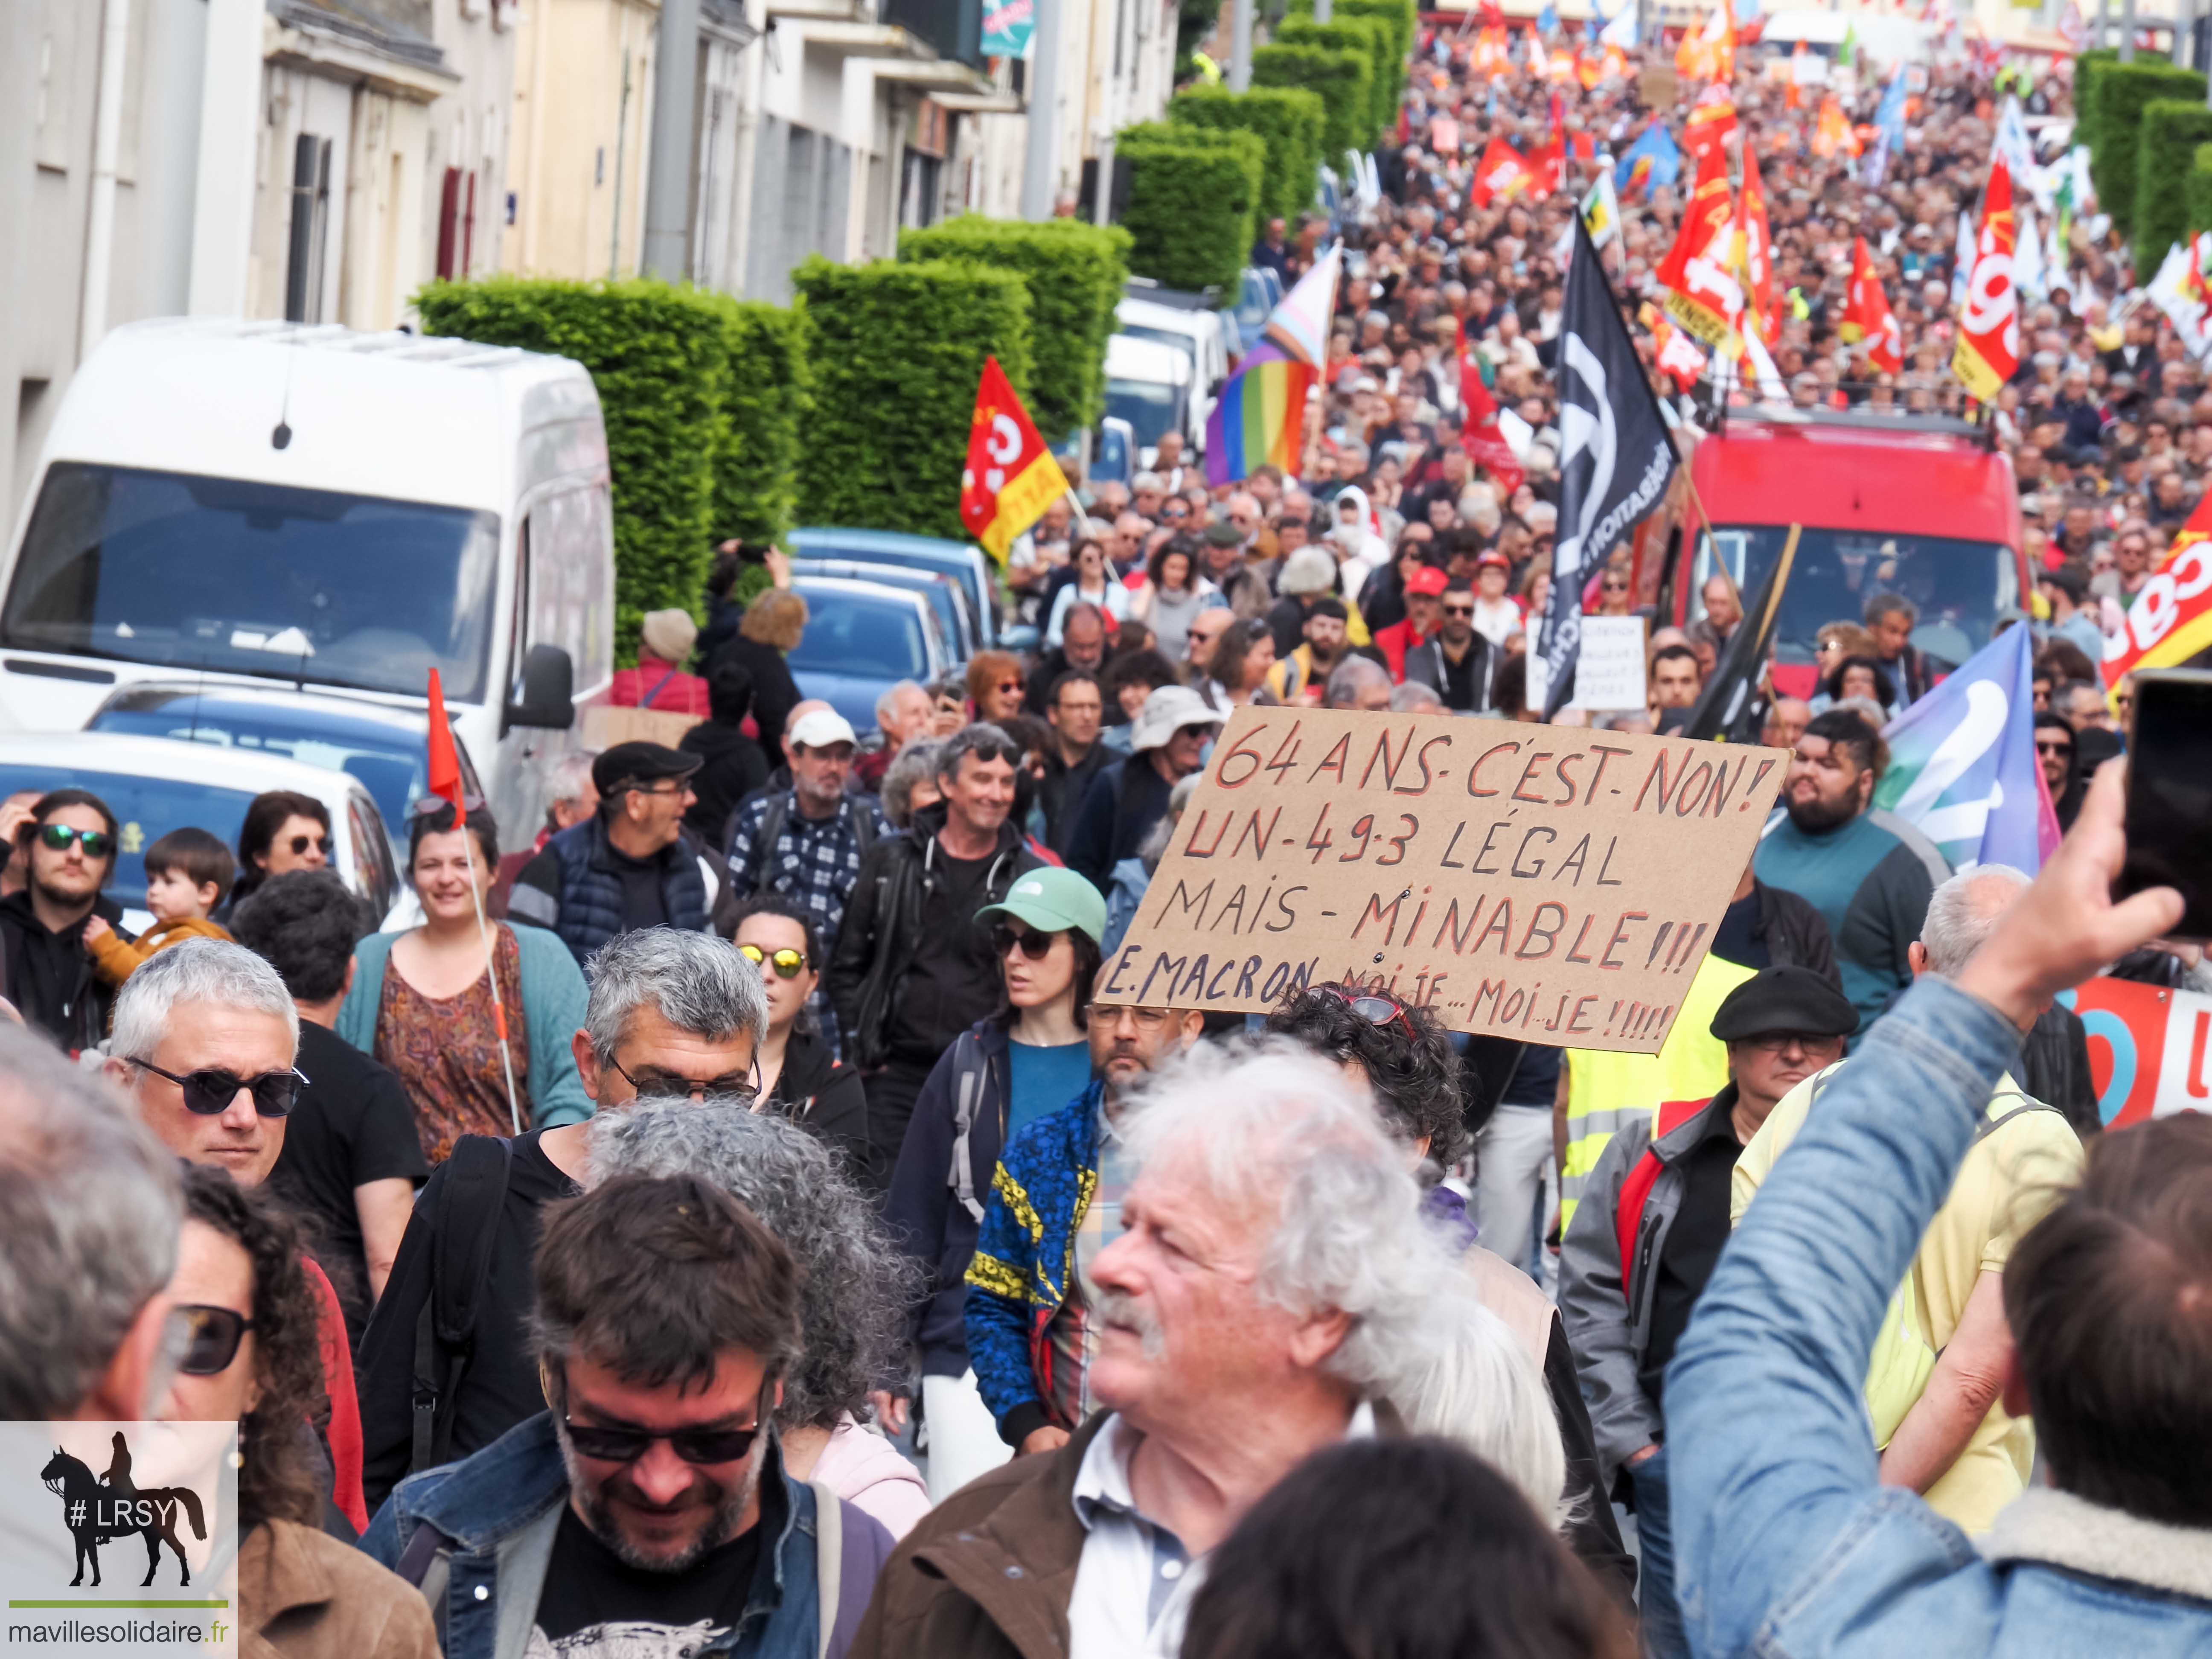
x=1532, y=881
x=605, y=726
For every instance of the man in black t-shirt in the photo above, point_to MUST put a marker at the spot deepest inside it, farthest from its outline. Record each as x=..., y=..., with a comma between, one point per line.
x=351, y=1157
x=648, y=1511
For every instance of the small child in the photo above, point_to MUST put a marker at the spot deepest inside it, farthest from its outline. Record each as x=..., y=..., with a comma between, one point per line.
x=188, y=874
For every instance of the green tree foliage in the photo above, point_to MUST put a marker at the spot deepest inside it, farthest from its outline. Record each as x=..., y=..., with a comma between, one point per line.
x=757, y=472
x=2122, y=91
x=1345, y=81
x=2198, y=192
x=2172, y=130
x=1290, y=121
x=1194, y=192
x=1369, y=36
x=1075, y=272
x=659, y=356
x=2088, y=66
x=895, y=352
x=1403, y=17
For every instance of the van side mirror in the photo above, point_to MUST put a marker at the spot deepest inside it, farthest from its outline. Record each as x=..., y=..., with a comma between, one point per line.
x=548, y=692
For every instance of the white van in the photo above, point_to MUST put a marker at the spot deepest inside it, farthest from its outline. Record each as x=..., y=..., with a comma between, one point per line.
x=1187, y=323
x=1148, y=386
x=267, y=503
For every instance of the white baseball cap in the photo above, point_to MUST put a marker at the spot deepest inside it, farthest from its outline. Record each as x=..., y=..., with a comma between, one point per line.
x=818, y=728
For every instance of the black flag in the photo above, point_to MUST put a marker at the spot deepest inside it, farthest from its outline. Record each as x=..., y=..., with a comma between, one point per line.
x=1615, y=456
x=1725, y=708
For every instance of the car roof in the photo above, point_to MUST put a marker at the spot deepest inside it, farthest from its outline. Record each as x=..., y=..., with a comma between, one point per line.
x=888, y=541
x=856, y=587
x=174, y=759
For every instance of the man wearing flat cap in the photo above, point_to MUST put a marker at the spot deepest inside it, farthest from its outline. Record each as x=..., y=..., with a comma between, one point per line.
x=1650, y=1229
x=629, y=866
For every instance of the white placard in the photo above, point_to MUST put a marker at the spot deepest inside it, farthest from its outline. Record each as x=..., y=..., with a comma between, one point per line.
x=1609, y=677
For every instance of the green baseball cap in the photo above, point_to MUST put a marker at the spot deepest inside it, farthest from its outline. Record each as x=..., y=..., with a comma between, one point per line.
x=1053, y=901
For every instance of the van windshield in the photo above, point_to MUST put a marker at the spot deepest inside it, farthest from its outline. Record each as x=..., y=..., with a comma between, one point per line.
x=1152, y=408
x=192, y=571
x=1962, y=589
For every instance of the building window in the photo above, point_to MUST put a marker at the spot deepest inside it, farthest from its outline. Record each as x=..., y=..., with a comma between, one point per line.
x=457, y=224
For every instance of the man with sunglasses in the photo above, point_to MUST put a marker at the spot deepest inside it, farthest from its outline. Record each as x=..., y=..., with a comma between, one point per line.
x=646, y=1509
x=206, y=1039
x=1458, y=663
x=445, y=1364
x=67, y=846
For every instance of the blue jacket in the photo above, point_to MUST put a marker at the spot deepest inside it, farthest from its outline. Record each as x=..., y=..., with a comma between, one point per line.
x=931, y=1216
x=553, y=999
x=1025, y=1257
x=1785, y=1543
x=498, y=1509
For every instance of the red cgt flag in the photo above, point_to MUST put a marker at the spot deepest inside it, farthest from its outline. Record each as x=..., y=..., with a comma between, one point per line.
x=1480, y=436
x=1500, y=172
x=1988, y=351
x=1867, y=315
x=1011, y=477
x=444, y=763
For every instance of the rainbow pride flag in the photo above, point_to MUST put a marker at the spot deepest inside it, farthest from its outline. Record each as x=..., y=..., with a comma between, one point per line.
x=1260, y=417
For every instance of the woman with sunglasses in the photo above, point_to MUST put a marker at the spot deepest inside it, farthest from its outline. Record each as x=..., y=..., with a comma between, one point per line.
x=420, y=1001
x=800, y=1078
x=1093, y=581
x=246, y=1315
x=1032, y=1056
x=283, y=831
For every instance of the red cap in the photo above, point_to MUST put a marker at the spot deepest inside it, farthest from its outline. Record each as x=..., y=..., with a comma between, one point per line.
x=1428, y=579
x=1493, y=556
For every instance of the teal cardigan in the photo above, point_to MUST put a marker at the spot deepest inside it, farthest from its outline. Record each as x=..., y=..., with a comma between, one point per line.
x=553, y=997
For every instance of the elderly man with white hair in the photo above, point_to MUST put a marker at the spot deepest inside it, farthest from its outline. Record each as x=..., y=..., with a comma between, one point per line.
x=1935, y=1391
x=1273, y=1278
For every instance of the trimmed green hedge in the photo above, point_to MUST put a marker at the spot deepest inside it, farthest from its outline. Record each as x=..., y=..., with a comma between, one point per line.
x=659, y=356
x=757, y=471
x=1075, y=272
x=2088, y=66
x=2171, y=130
x=2197, y=194
x=1369, y=36
x=895, y=352
x=1194, y=192
x=2123, y=91
x=1289, y=120
x=1345, y=80
x=1402, y=17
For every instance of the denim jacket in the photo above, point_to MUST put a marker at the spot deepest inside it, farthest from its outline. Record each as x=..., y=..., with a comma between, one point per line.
x=1785, y=1544
x=502, y=1508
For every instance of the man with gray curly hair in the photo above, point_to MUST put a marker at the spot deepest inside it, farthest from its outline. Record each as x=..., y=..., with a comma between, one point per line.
x=1272, y=1279
x=445, y=1364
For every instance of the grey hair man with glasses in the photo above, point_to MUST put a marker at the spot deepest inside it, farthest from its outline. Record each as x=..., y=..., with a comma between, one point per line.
x=444, y=1363
x=89, y=1213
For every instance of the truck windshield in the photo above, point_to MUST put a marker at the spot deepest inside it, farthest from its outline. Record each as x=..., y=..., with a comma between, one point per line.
x=1152, y=408
x=1962, y=589
x=304, y=584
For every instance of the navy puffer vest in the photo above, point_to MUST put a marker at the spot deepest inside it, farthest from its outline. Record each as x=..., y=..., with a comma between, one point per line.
x=592, y=888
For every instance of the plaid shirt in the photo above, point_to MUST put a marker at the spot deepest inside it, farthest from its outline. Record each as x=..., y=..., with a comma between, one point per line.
x=814, y=861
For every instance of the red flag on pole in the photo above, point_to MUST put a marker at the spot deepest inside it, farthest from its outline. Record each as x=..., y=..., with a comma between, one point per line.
x=1480, y=435
x=1988, y=350
x=444, y=763
x=1868, y=312
x=1011, y=477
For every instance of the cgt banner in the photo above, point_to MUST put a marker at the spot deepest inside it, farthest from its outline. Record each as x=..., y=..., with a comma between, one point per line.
x=1537, y=882
x=118, y=1538
x=2148, y=1048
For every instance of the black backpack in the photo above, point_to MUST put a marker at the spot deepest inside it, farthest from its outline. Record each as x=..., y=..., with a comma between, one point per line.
x=464, y=1223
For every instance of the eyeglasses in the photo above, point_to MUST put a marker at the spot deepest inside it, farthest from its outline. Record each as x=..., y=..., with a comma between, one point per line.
x=606, y=1445
x=786, y=961
x=1374, y=1008
x=209, y=1092
x=1612, y=587
x=1034, y=945
x=1459, y=611
x=211, y=1338
x=652, y=1080
x=97, y=843
x=1010, y=685
x=430, y=805
x=300, y=844
x=2054, y=749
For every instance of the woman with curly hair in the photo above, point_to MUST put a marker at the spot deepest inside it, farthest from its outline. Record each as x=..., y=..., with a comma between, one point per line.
x=853, y=1315
x=252, y=1355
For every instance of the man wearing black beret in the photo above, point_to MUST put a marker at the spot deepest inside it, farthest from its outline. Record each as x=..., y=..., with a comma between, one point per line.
x=1650, y=1229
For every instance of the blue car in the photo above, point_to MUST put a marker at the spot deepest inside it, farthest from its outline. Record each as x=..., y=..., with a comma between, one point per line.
x=861, y=639
x=945, y=594
x=970, y=566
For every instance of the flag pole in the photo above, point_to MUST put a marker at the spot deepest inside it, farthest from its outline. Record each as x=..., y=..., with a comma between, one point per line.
x=492, y=971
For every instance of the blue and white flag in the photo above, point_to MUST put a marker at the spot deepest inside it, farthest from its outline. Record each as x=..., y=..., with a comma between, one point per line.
x=1962, y=764
x=1547, y=21
x=1652, y=160
x=1889, y=116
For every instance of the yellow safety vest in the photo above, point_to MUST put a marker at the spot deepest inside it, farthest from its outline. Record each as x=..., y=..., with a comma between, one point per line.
x=1607, y=1091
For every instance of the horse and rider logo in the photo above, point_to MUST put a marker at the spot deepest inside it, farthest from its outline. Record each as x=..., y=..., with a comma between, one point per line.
x=99, y=1511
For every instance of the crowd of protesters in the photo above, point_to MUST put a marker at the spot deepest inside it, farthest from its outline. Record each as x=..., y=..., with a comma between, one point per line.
x=755, y=1238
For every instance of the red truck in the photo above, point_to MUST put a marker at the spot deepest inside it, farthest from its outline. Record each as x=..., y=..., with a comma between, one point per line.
x=1916, y=505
